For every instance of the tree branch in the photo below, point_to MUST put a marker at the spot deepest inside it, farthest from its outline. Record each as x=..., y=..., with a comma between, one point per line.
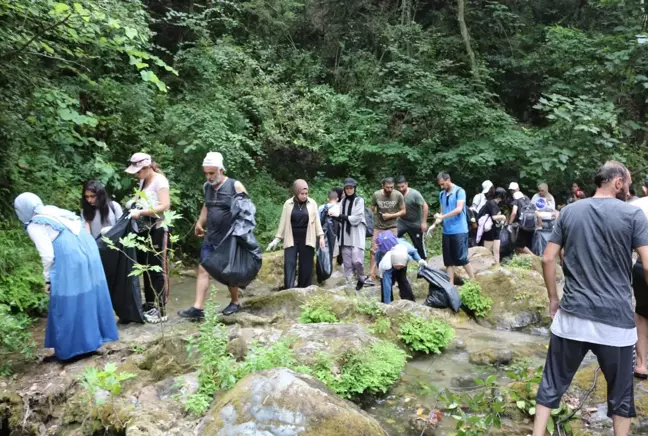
x=461, y=7
x=25, y=45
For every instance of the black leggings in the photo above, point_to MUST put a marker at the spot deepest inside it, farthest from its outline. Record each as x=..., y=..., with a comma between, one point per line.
x=416, y=235
x=404, y=288
x=156, y=283
x=306, y=256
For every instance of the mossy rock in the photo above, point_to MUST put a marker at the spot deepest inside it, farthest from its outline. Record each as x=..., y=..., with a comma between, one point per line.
x=288, y=303
x=491, y=356
x=271, y=272
x=282, y=402
x=167, y=357
x=396, y=311
x=519, y=298
x=335, y=339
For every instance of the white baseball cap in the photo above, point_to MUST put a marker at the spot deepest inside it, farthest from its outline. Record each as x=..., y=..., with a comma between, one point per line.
x=214, y=159
x=486, y=186
x=514, y=185
x=138, y=161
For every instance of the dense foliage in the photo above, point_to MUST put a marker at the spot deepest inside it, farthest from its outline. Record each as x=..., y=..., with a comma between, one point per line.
x=427, y=336
x=318, y=89
x=472, y=299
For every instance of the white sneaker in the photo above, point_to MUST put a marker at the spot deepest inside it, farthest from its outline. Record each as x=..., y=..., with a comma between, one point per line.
x=153, y=316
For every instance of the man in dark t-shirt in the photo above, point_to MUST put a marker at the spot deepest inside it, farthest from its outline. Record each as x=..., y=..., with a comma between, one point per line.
x=414, y=222
x=216, y=215
x=595, y=314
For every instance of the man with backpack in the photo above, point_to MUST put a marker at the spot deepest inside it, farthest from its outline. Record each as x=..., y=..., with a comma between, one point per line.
x=523, y=215
x=455, y=226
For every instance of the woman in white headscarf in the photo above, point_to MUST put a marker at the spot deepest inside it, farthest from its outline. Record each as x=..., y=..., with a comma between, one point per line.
x=80, y=315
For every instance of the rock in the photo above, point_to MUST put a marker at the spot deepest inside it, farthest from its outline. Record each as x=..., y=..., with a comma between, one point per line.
x=282, y=402
x=237, y=348
x=335, y=339
x=519, y=298
x=271, y=272
x=251, y=335
x=397, y=309
x=491, y=356
x=245, y=319
x=181, y=387
x=463, y=381
x=288, y=303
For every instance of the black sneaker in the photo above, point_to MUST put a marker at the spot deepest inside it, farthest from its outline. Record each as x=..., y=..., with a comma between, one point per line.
x=146, y=307
x=231, y=309
x=369, y=282
x=359, y=285
x=192, y=313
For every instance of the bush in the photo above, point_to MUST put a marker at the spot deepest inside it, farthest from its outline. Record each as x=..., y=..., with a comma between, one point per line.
x=381, y=327
x=369, y=307
x=472, y=298
x=317, y=309
x=428, y=336
x=15, y=336
x=369, y=371
x=524, y=262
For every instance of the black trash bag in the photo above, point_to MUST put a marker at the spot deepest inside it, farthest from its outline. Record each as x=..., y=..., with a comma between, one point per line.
x=540, y=241
x=118, y=264
x=324, y=264
x=441, y=294
x=236, y=261
x=507, y=243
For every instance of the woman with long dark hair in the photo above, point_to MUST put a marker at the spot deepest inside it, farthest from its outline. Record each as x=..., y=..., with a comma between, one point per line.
x=97, y=210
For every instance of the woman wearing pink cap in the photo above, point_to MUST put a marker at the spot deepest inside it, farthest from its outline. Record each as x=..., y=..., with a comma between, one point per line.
x=148, y=208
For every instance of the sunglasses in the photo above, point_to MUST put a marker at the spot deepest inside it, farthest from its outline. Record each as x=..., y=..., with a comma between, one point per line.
x=134, y=162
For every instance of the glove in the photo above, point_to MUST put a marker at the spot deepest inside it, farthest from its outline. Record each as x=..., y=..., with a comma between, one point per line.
x=130, y=204
x=135, y=214
x=422, y=263
x=343, y=218
x=437, y=222
x=273, y=244
x=437, y=217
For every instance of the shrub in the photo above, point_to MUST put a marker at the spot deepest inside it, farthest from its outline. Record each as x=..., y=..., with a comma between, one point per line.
x=428, y=336
x=524, y=262
x=317, y=309
x=472, y=298
x=368, y=371
x=369, y=307
x=15, y=336
x=381, y=326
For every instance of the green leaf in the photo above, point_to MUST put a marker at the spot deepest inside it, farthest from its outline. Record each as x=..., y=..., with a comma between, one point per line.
x=551, y=426
x=47, y=48
x=59, y=8
x=66, y=114
x=131, y=33
x=521, y=404
x=532, y=411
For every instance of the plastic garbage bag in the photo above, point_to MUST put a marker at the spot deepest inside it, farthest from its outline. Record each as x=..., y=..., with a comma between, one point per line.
x=441, y=293
x=507, y=243
x=118, y=264
x=236, y=261
x=324, y=264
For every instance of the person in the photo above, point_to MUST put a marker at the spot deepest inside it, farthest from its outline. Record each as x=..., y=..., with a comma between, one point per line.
x=524, y=241
x=147, y=208
x=632, y=195
x=640, y=288
x=414, y=222
x=452, y=199
x=545, y=205
x=480, y=199
x=80, y=317
x=95, y=199
x=216, y=215
x=595, y=313
x=491, y=212
x=392, y=257
x=330, y=226
x=300, y=228
x=574, y=195
x=352, y=233
x=387, y=205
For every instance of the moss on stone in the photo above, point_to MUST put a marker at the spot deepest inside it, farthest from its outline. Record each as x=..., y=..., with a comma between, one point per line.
x=343, y=424
x=166, y=358
x=583, y=382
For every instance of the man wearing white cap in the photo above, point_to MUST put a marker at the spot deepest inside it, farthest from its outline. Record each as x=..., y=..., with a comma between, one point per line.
x=219, y=191
x=480, y=199
x=524, y=240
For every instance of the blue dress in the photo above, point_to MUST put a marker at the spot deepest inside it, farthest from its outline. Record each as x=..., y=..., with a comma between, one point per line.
x=80, y=317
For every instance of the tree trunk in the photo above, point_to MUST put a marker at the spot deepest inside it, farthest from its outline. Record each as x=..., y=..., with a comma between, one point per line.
x=461, y=6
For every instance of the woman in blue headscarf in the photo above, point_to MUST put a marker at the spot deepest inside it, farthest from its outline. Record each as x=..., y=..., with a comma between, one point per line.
x=80, y=317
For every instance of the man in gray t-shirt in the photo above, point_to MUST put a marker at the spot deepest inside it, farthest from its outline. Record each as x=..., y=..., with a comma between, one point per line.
x=595, y=314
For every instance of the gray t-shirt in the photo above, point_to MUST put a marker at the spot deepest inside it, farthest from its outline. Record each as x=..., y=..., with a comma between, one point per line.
x=598, y=235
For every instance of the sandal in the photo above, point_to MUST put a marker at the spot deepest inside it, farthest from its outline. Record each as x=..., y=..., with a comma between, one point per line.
x=640, y=375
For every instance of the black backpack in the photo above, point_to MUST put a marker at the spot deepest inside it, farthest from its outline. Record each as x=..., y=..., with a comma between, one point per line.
x=527, y=213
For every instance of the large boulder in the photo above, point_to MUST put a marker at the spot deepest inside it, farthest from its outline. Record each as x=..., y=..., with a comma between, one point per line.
x=280, y=402
x=335, y=339
x=288, y=303
x=519, y=297
x=272, y=273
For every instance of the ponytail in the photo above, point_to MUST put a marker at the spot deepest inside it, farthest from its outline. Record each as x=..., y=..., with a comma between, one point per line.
x=155, y=167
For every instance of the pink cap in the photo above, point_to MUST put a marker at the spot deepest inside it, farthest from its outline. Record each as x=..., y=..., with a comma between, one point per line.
x=137, y=162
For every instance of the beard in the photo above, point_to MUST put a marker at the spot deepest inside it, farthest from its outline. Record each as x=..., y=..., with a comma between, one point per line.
x=217, y=181
x=622, y=195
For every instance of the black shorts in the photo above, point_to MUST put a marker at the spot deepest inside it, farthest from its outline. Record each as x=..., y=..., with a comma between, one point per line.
x=565, y=356
x=640, y=289
x=524, y=239
x=492, y=235
x=455, y=249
